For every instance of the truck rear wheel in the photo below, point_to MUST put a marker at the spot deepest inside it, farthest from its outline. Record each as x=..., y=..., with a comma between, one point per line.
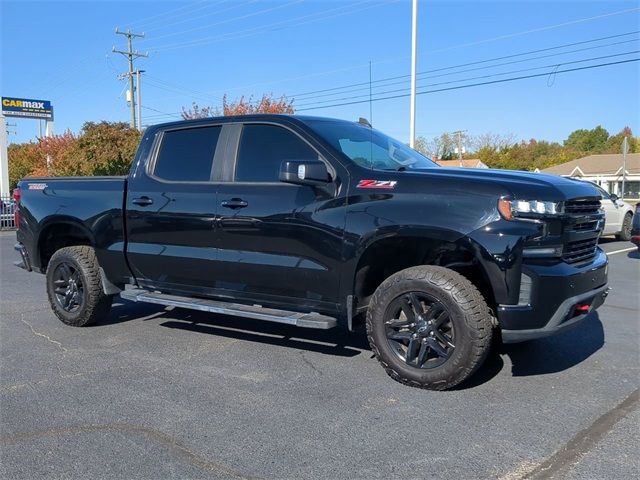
x=429, y=327
x=74, y=287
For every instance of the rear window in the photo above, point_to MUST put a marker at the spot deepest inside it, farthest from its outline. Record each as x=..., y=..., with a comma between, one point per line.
x=186, y=155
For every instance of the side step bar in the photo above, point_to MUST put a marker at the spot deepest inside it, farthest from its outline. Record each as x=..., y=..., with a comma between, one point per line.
x=307, y=320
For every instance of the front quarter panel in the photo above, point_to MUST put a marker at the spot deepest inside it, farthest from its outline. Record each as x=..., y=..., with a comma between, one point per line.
x=423, y=207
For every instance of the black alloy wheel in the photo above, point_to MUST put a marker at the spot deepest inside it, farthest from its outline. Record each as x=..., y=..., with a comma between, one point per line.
x=429, y=327
x=69, y=288
x=74, y=286
x=419, y=330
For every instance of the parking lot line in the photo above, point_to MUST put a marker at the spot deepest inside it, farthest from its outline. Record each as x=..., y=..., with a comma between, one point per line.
x=621, y=251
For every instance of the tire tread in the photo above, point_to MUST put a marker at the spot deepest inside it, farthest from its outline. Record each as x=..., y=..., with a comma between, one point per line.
x=97, y=303
x=477, y=318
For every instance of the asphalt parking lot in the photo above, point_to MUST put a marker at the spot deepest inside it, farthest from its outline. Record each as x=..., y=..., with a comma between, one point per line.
x=174, y=394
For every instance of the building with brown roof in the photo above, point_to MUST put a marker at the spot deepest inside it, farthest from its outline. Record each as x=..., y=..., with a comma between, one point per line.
x=466, y=163
x=604, y=170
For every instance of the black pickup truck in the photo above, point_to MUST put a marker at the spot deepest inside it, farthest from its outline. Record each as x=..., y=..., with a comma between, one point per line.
x=317, y=223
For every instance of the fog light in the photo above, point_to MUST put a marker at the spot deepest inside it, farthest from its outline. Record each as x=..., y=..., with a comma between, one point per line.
x=538, y=252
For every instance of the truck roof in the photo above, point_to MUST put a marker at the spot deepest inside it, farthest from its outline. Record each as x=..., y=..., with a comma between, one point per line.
x=268, y=117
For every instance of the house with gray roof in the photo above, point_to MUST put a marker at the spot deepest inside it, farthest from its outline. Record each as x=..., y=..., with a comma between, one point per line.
x=604, y=170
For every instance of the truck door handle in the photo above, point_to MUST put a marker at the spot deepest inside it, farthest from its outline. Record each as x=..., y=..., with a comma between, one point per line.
x=234, y=203
x=142, y=201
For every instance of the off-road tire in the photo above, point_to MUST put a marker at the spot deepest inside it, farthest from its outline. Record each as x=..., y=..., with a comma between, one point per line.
x=625, y=232
x=95, y=304
x=469, y=314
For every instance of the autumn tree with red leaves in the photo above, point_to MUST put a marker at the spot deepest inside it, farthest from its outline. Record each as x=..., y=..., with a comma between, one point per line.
x=243, y=106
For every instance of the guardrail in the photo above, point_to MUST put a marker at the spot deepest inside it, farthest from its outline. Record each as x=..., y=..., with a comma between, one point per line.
x=7, y=209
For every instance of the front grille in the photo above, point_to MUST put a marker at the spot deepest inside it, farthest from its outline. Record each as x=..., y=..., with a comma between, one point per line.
x=582, y=207
x=580, y=251
x=584, y=226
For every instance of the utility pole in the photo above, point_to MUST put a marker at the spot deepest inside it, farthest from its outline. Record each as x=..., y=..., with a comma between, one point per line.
x=459, y=142
x=414, y=48
x=131, y=55
x=625, y=149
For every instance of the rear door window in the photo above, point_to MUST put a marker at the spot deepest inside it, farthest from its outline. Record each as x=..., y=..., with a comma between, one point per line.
x=186, y=155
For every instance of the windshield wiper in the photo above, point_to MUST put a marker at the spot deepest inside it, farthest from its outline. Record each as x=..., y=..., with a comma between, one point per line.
x=401, y=168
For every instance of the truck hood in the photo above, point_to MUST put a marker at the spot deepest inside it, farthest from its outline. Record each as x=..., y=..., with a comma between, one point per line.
x=521, y=185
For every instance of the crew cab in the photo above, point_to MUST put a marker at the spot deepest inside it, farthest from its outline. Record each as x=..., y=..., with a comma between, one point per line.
x=323, y=223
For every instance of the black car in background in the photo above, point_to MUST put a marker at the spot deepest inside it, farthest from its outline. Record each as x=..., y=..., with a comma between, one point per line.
x=635, y=228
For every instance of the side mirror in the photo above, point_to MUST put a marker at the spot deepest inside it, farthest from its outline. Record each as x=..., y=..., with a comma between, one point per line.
x=613, y=197
x=311, y=172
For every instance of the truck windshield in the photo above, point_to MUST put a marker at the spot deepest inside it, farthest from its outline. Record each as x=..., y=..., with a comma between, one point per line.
x=370, y=148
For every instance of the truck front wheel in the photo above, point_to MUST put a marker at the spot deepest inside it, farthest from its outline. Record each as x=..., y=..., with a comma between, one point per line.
x=74, y=287
x=429, y=327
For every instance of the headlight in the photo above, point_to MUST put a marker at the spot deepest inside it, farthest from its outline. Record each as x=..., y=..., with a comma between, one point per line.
x=527, y=208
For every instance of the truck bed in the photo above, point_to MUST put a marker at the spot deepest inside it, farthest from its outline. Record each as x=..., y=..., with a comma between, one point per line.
x=92, y=204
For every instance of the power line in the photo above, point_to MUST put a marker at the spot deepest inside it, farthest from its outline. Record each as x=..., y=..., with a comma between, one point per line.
x=267, y=28
x=504, y=80
x=145, y=21
x=480, y=77
x=199, y=17
x=162, y=85
x=388, y=84
x=161, y=112
x=229, y=20
x=536, y=30
x=386, y=79
x=511, y=79
x=477, y=62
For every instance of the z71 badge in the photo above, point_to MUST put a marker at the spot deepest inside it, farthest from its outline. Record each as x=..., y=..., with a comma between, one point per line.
x=388, y=184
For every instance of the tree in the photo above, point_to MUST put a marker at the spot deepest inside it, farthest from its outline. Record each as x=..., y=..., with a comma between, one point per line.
x=38, y=158
x=442, y=147
x=267, y=104
x=243, y=106
x=103, y=148
x=493, y=141
x=198, y=112
x=23, y=160
x=588, y=141
x=614, y=143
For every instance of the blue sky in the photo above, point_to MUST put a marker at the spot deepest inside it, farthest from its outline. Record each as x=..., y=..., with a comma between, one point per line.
x=199, y=50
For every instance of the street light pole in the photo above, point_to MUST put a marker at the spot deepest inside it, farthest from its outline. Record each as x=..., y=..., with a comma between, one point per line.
x=414, y=46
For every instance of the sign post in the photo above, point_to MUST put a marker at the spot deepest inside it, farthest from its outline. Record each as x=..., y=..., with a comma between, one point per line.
x=625, y=150
x=4, y=159
x=20, y=108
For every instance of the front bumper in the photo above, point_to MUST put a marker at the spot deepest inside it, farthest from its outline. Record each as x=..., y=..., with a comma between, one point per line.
x=556, y=291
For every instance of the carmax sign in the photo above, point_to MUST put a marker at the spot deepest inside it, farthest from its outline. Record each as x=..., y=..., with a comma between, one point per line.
x=26, y=107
